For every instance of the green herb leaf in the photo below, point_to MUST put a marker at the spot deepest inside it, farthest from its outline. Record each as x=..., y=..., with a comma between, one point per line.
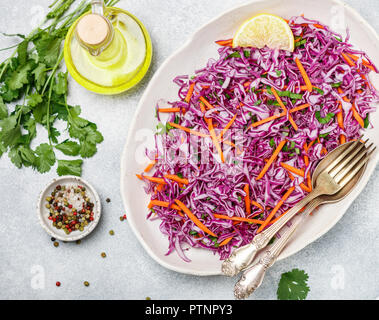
x=69, y=148
x=320, y=91
x=19, y=77
x=3, y=109
x=233, y=55
x=367, y=121
x=336, y=85
x=300, y=43
x=278, y=73
x=326, y=119
x=60, y=86
x=39, y=74
x=34, y=99
x=22, y=51
x=293, y=285
x=70, y=167
x=48, y=47
x=272, y=143
x=46, y=158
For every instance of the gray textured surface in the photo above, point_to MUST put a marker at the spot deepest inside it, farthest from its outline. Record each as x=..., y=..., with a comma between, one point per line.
x=343, y=264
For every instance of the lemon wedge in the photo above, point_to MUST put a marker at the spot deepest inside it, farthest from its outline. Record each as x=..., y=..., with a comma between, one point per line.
x=265, y=30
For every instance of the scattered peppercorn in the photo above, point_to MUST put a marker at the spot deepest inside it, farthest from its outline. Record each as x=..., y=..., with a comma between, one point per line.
x=111, y=232
x=53, y=239
x=86, y=283
x=56, y=244
x=108, y=200
x=103, y=254
x=121, y=218
x=58, y=284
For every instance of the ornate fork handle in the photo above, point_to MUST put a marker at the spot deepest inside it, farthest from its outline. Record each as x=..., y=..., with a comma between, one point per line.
x=244, y=256
x=252, y=278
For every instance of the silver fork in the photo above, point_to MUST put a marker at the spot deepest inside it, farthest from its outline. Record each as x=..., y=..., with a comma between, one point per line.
x=339, y=173
x=326, y=184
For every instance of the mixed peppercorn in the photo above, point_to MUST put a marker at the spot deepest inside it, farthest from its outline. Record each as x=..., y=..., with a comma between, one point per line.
x=70, y=209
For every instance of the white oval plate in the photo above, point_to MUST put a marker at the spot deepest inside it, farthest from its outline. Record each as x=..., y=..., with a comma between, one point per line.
x=194, y=55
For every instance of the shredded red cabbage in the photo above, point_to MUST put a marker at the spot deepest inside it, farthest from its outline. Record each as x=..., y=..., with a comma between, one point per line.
x=239, y=82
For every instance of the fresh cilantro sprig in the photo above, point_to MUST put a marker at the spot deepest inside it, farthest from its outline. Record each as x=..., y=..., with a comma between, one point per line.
x=293, y=285
x=33, y=93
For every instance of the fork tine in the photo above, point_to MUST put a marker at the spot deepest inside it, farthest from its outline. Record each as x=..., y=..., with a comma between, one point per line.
x=343, y=155
x=350, y=175
x=342, y=164
x=350, y=165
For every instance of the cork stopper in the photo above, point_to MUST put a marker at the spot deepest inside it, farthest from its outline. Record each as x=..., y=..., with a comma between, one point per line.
x=92, y=30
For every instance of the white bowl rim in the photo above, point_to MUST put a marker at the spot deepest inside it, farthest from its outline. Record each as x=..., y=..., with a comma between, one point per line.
x=80, y=234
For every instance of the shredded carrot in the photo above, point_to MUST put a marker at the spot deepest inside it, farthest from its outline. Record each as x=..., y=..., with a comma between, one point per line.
x=303, y=106
x=254, y=203
x=168, y=110
x=159, y=187
x=240, y=219
x=304, y=75
x=305, y=88
x=305, y=187
x=207, y=104
x=275, y=210
x=190, y=92
x=247, y=198
x=340, y=117
x=215, y=141
x=258, y=123
x=150, y=166
x=196, y=133
x=226, y=241
x=230, y=123
x=302, y=185
x=319, y=26
x=195, y=220
x=276, y=219
x=284, y=108
x=152, y=179
x=364, y=62
x=306, y=161
x=272, y=159
x=279, y=115
x=348, y=60
x=247, y=83
x=357, y=116
x=176, y=179
x=163, y=204
x=353, y=108
x=225, y=43
x=292, y=169
x=307, y=147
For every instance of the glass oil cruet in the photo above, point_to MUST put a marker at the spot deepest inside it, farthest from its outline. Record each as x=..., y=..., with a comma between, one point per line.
x=107, y=50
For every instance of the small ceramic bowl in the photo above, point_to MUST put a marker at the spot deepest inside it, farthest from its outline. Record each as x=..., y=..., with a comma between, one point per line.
x=43, y=212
